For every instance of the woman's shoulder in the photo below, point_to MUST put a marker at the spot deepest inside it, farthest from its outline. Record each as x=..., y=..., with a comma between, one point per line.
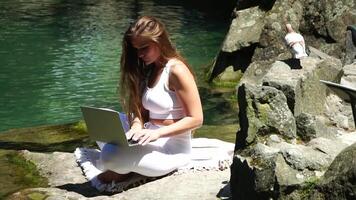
x=178, y=67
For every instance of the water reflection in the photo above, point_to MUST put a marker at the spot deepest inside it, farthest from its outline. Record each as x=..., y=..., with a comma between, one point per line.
x=56, y=55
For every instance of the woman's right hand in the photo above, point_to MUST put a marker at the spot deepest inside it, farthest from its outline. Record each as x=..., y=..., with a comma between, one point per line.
x=132, y=132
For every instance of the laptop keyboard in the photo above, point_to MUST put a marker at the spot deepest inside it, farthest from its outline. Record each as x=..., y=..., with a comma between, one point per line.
x=132, y=142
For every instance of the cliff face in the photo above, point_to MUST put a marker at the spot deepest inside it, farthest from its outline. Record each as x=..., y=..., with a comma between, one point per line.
x=257, y=30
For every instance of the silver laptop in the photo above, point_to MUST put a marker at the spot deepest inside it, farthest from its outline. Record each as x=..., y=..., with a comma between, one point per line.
x=106, y=125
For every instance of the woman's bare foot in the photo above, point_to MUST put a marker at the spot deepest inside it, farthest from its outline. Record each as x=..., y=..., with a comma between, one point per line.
x=109, y=176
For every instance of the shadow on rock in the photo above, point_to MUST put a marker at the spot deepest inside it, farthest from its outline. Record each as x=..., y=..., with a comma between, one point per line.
x=293, y=63
x=84, y=189
x=224, y=192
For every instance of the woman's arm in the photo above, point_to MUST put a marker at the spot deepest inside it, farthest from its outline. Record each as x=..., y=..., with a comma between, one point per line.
x=182, y=82
x=136, y=124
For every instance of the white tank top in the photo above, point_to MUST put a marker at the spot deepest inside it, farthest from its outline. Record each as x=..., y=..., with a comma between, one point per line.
x=160, y=101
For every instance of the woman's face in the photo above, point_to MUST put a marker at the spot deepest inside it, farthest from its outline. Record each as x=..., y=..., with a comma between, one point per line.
x=147, y=50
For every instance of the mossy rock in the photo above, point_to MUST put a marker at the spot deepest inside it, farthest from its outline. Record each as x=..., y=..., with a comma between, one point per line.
x=17, y=173
x=63, y=138
x=37, y=196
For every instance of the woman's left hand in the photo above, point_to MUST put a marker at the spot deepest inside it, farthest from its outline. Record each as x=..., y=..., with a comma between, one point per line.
x=144, y=136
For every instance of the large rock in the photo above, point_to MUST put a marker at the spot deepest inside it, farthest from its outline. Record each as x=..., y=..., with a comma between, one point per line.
x=302, y=157
x=271, y=43
x=339, y=112
x=58, y=167
x=312, y=126
x=279, y=169
x=255, y=72
x=184, y=186
x=67, y=182
x=245, y=29
x=263, y=110
x=330, y=147
x=328, y=19
x=339, y=181
x=302, y=88
x=263, y=177
x=248, y=182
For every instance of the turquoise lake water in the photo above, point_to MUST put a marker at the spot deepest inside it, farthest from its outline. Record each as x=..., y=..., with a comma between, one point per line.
x=56, y=55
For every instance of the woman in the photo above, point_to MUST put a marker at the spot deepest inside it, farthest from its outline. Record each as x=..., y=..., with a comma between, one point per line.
x=159, y=91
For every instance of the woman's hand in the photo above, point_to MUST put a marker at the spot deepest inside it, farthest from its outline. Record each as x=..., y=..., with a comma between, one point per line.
x=132, y=132
x=144, y=136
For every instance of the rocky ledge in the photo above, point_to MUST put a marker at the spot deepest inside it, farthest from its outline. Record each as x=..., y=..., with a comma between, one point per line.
x=66, y=181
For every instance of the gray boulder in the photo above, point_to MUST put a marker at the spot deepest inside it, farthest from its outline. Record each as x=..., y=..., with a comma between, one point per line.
x=271, y=43
x=302, y=157
x=255, y=72
x=302, y=88
x=312, y=126
x=66, y=181
x=330, y=147
x=245, y=29
x=328, y=19
x=339, y=112
x=263, y=110
x=339, y=180
x=252, y=178
x=264, y=177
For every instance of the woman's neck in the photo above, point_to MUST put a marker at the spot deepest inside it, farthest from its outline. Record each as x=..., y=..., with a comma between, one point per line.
x=160, y=63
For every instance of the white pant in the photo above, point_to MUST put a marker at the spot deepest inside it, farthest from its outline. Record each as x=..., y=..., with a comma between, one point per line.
x=154, y=159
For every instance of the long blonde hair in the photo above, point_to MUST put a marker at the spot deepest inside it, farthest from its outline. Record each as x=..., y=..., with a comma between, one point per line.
x=134, y=73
